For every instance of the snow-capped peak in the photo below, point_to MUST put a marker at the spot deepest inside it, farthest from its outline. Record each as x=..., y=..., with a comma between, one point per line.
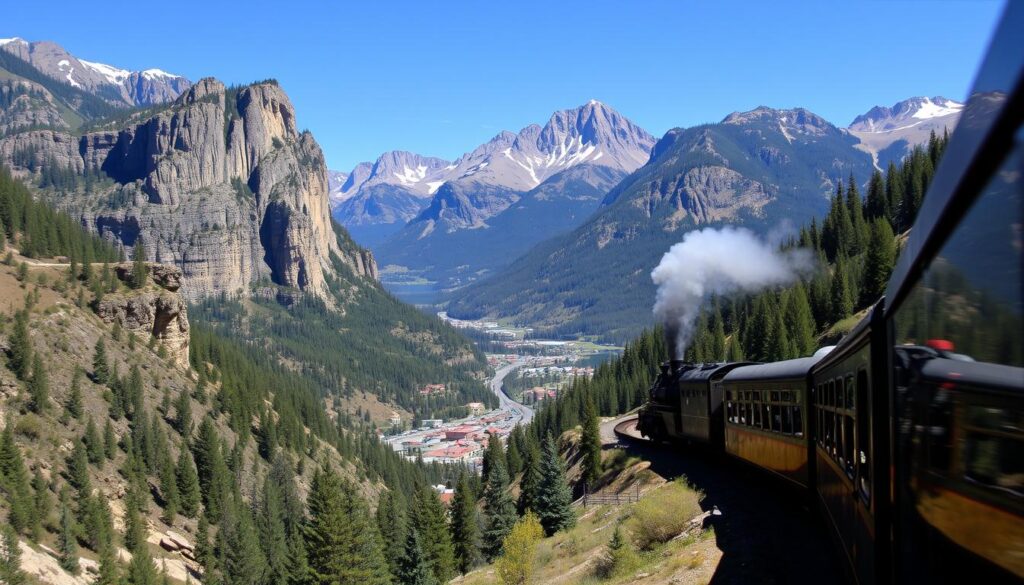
x=13, y=40
x=934, y=109
x=157, y=73
x=111, y=74
x=905, y=114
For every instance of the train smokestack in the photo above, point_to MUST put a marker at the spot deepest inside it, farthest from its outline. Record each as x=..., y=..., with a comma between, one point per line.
x=677, y=365
x=717, y=261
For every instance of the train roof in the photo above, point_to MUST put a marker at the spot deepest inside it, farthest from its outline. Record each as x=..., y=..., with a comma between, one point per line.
x=704, y=372
x=996, y=376
x=785, y=370
x=976, y=149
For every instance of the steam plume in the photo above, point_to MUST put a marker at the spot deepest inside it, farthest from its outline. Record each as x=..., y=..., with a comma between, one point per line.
x=716, y=261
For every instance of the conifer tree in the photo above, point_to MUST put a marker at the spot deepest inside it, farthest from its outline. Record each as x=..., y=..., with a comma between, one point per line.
x=493, y=453
x=514, y=454
x=183, y=415
x=140, y=270
x=134, y=531
x=100, y=369
x=779, y=347
x=590, y=442
x=188, y=484
x=15, y=484
x=840, y=295
x=734, y=353
x=40, y=502
x=39, y=386
x=141, y=570
x=413, y=566
x=799, y=322
x=499, y=512
x=428, y=518
x=20, y=360
x=879, y=262
x=241, y=559
x=530, y=482
x=392, y=522
x=169, y=488
x=66, y=544
x=554, y=500
x=214, y=477
x=109, y=441
x=73, y=405
x=877, y=204
x=465, y=525
x=272, y=531
x=78, y=469
x=109, y=572
x=204, y=552
x=93, y=443
x=10, y=557
x=342, y=544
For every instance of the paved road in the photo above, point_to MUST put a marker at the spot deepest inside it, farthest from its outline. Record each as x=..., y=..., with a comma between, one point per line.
x=525, y=413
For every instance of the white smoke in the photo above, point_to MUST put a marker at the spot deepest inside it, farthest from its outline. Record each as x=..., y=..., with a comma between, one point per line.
x=717, y=261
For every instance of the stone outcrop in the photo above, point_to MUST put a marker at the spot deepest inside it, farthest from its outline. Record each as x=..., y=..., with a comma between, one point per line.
x=220, y=184
x=156, y=310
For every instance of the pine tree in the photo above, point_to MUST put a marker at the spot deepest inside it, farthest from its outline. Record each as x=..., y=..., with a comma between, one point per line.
x=109, y=570
x=554, y=500
x=141, y=570
x=213, y=473
x=78, y=469
x=516, y=565
x=73, y=406
x=428, y=518
x=465, y=525
x=188, y=484
x=530, y=482
x=134, y=531
x=169, y=488
x=66, y=544
x=100, y=369
x=10, y=557
x=272, y=531
x=879, y=262
x=204, y=552
x=779, y=347
x=878, y=204
x=93, y=443
x=590, y=443
x=734, y=353
x=39, y=386
x=840, y=295
x=20, y=360
x=109, y=441
x=342, y=544
x=499, y=512
x=392, y=522
x=140, y=271
x=183, y=414
x=413, y=567
x=242, y=560
x=514, y=454
x=493, y=453
x=15, y=484
x=40, y=502
x=799, y=322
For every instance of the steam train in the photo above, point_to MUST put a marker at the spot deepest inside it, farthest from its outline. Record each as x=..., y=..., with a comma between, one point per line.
x=909, y=434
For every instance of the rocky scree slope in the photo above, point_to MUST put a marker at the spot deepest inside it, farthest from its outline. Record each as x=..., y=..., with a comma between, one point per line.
x=220, y=183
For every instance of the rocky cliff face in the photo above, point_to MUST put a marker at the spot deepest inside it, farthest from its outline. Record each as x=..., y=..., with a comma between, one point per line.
x=220, y=184
x=156, y=310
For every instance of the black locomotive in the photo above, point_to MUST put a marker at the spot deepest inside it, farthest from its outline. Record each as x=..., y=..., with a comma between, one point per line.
x=909, y=434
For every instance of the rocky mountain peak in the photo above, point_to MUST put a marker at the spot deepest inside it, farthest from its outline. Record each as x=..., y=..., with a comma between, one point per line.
x=114, y=84
x=792, y=123
x=906, y=113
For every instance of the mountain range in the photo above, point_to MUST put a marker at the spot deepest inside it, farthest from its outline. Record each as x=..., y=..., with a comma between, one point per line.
x=455, y=221
x=770, y=170
x=118, y=86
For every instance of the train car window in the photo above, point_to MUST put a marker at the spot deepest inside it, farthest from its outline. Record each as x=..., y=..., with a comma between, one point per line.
x=787, y=420
x=798, y=422
x=863, y=435
x=969, y=302
x=837, y=446
x=840, y=394
x=993, y=451
x=743, y=413
x=848, y=443
x=849, y=392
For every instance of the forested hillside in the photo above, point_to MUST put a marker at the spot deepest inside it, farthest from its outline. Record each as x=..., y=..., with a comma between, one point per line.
x=857, y=250
x=112, y=448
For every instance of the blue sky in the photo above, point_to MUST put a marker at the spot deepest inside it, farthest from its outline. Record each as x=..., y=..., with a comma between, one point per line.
x=439, y=78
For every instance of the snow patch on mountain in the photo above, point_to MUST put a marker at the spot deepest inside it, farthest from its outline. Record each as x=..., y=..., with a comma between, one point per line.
x=110, y=73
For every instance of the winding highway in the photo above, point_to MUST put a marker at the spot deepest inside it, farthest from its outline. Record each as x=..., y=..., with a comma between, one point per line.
x=505, y=403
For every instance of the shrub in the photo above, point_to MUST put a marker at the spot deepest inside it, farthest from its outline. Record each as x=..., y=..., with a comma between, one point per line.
x=662, y=515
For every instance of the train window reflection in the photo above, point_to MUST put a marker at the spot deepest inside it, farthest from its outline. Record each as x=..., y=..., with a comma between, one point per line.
x=994, y=448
